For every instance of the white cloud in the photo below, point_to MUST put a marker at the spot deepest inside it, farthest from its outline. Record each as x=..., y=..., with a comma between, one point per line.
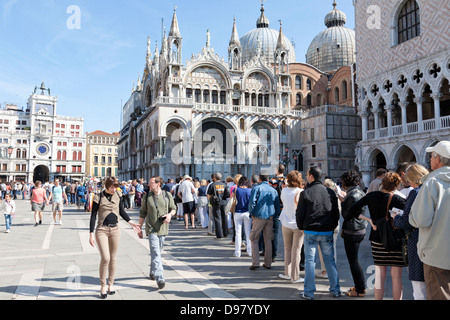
x=6, y=10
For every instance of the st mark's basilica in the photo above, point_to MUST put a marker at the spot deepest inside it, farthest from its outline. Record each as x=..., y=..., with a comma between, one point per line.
x=247, y=112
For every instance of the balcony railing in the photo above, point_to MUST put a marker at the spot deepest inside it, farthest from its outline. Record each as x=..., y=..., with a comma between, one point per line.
x=445, y=122
x=174, y=101
x=225, y=108
x=412, y=127
x=429, y=125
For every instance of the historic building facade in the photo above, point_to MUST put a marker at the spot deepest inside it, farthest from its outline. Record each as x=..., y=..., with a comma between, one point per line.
x=38, y=144
x=240, y=115
x=403, y=72
x=102, y=154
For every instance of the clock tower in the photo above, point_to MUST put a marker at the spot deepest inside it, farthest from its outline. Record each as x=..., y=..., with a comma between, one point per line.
x=42, y=108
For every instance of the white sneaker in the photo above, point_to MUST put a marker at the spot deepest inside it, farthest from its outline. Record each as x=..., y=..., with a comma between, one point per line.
x=300, y=280
x=320, y=274
x=284, y=277
x=7, y=231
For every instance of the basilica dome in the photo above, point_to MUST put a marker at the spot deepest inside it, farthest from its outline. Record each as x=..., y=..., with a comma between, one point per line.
x=335, y=46
x=266, y=39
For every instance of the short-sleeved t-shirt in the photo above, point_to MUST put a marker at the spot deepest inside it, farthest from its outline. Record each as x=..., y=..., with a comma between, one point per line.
x=38, y=195
x=57, y=194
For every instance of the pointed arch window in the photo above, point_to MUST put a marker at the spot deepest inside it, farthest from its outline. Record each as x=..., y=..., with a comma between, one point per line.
x=408, y=22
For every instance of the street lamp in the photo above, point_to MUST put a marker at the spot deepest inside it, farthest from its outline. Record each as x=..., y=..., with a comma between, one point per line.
x=10, y=151
x=287, y=160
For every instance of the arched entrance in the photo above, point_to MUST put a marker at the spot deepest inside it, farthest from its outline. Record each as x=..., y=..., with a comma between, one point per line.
x=404, y=154
x=41, y=173
x=376, y=161
x=260, y=147
x=218, y=143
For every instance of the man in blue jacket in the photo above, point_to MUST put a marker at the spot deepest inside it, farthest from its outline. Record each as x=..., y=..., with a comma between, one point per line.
x=264, y=204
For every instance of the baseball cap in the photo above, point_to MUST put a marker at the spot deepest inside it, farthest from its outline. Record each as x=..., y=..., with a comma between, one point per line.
x=442, y=149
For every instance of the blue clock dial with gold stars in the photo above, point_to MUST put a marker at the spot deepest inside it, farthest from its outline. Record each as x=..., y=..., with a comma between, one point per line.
x=42, y=149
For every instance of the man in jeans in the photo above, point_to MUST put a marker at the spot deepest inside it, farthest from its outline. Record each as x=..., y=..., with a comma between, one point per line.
x=157, y=210
x=318, y=215
x=264, y=205
x=430, y=214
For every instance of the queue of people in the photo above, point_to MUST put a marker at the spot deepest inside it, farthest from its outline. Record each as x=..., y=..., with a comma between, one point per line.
x=412, y=202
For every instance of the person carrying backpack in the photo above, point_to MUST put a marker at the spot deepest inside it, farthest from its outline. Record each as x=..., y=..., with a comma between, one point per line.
x=278, y=183
x=177, y=199
x=81, y=194
x=218, y=195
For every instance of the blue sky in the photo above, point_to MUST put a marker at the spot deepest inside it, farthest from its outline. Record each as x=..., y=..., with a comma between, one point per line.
x=92, y=69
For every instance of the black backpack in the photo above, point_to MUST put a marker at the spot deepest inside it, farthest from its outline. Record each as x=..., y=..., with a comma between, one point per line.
x=177, y=199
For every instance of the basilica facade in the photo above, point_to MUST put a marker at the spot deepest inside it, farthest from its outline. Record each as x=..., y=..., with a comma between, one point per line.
x=244, y=114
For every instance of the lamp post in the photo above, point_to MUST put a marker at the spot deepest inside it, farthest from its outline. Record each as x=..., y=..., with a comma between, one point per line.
x=288, y=160
x=10, y=151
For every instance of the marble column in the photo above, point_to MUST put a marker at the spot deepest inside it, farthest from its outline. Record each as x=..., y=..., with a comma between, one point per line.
x=437, y=109
x=376, y=113
x=403, y=104
x=389, y=109
x=419, y=102
x=364, y=124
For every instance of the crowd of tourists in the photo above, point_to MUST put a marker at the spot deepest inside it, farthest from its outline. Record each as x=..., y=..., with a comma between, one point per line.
x=407, y=211
x=405, y=214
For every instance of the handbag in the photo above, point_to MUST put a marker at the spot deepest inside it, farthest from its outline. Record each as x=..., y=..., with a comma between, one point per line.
x=386, y=231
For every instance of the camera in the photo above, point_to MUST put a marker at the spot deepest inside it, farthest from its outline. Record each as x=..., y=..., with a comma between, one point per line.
x=162, y=219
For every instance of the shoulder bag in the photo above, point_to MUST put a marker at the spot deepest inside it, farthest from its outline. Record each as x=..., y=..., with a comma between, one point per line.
x=386, y=231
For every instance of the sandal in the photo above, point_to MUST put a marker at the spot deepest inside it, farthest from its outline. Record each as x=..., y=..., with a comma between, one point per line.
x=353, y=293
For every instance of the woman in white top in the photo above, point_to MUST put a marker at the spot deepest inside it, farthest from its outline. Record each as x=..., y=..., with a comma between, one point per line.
x=292, y=236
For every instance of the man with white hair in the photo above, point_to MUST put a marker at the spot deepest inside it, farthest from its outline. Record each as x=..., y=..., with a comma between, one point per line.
x=186, y=193
x=430, y=214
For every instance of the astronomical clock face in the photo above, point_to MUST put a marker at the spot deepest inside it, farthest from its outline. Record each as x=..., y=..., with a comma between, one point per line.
x=42, y=149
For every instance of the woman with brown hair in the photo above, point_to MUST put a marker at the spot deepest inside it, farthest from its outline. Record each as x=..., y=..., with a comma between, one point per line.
x=292, y=235
x=38, y=201
x=108, y=206
x=377, y=202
